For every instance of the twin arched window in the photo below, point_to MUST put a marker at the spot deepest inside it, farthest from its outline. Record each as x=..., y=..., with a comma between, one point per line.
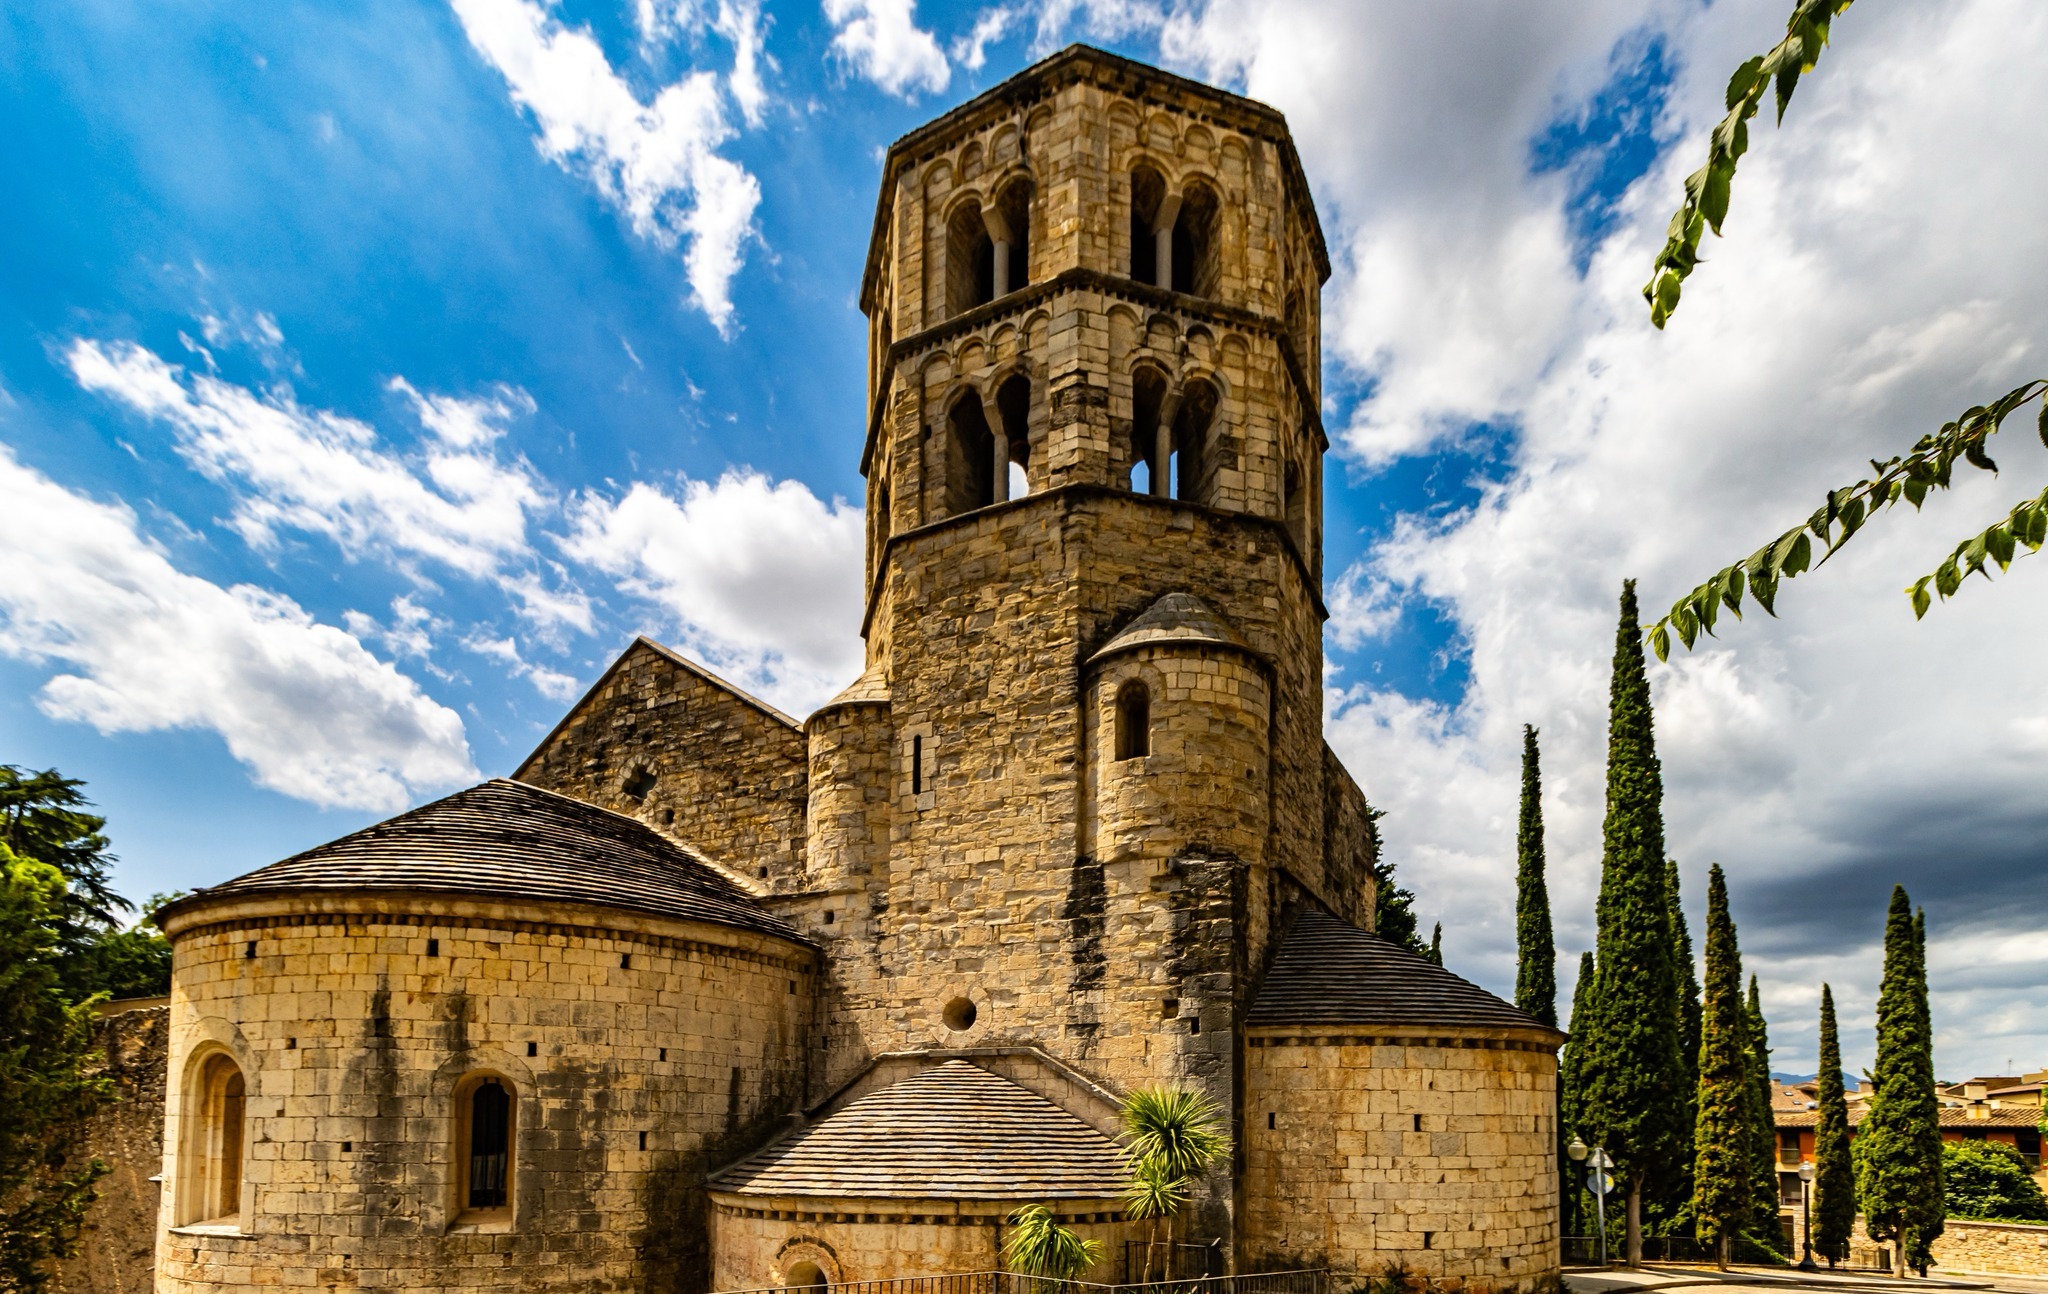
x=215, y=1115
x=1171, y=437
x=988, y=249
x=982, y=451
x=1174, y=235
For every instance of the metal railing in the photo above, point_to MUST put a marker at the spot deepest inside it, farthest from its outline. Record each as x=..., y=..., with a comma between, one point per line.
x=1584, y=1251
x=1311, y=1281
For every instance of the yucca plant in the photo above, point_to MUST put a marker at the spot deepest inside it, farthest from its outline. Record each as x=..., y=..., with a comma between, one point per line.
x=1039, y=1246
x=1174, y=1134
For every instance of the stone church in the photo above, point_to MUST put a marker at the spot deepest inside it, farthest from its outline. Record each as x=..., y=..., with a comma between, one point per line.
x=707, y=997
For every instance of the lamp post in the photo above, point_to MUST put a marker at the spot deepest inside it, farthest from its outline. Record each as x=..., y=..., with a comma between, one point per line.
x=1597, y=1163
x=1806, y=1263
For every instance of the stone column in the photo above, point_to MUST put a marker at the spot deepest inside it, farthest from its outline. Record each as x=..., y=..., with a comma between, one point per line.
x=1162, y=445
x=999, y=432
x=999, y=234
x=1162, y=239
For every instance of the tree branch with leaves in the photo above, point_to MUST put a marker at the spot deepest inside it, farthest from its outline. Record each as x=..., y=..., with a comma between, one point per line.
x=1906, y=477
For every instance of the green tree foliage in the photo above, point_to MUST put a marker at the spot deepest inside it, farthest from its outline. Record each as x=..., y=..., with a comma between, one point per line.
x=1039, y=1246
x=1925, y=1220
x=1675, y=1199
x=1394, y=913
x=1174, y=1135
x=1989, y=1181
x=44, y=816
x=1436, y=944
x=1909, y=477
x=1897, y=1151
x=1834, y=1179
x=45, y=1088
x=1723, y=1184
x=1763, y=1144
x=1535, y=945
x=1630, y=1071
x=1571, y=1102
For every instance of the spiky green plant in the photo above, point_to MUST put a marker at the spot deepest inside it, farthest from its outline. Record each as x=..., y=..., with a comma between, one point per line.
x=1039, y=1246
x=1153, y=1195
x=1174, y=1134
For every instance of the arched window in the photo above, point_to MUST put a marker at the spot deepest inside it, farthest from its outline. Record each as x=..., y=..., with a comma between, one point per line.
x=970, y=260
x=1294, y=508
x=1148, y=194
x=970, y=456
x=1013, y=408
x=1151, y=453
x=210, y=1167
x=1133, y=721
x=1011, y=232
x=1194, y=459
x=1194, y=242
x=806, y=1275
x=486, y=1117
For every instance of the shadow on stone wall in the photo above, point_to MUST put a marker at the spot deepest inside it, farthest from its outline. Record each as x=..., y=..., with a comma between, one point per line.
x=117, y=1248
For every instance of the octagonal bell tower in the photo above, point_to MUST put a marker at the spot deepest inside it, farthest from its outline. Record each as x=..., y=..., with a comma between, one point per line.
x=1084, y=773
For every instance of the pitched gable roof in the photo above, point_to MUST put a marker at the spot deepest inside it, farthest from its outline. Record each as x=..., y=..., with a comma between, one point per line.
x=954, y=1131
x=1328, y=972
x=505, y=839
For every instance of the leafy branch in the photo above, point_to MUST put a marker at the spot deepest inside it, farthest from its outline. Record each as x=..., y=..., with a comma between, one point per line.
x=1706, y=190
x=1908, y=477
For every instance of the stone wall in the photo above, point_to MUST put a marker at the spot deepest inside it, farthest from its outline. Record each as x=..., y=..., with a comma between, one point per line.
x=1361, y=1150
x=1964, y=1247
x=642, y=1052
x=759, y=1239
x=662, y=740
x=117, y=1247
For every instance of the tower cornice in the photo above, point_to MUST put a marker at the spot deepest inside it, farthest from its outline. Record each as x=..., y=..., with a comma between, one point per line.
x=1113, y=72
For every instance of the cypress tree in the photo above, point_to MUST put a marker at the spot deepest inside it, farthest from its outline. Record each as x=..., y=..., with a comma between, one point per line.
x=1631, y=1071
x=1571, y=1105
x=1535, y=946
x=1763, y=1138
x=1721, y=1177
x=1436, y=944
x=1891, y=1155
x=1834, y=1181
x=1927, y=1217
x=1678, y=1193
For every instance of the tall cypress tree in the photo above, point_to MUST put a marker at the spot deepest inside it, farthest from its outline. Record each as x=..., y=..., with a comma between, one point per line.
x=1834, y=1180
x=1893, y=1163
x=1679, y=1191
x=1571, y=1103
x=1436, y=944
x=1721, y=1177
x=1927, y=1217
x=1631, y=1071
x=1763, y=1137
x=1535, y=946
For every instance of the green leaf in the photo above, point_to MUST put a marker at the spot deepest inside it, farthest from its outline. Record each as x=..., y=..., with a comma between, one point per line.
x=1714, y=199
x=1660, y=641
x=1744, y=83
x=1976, y=457
x=1918, y=592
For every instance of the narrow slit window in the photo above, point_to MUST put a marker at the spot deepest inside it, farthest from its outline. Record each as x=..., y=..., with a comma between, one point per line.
x=1133, y=721
x=917, y=766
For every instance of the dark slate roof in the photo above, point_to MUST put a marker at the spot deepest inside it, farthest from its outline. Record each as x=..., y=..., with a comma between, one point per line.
x=1328, y=972
x=505, y=839
x=954, y=1131
x=1178, y=619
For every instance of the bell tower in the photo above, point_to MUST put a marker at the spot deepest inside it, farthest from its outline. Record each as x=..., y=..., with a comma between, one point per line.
x=1084, y=773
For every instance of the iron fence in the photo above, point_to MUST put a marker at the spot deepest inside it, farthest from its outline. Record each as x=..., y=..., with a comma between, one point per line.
x=1584, y=1251
x=1314, y=1281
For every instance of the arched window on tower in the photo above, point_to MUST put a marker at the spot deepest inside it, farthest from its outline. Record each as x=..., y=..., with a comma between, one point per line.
x=1195, y=263
x=1194, y=456
x=1294, y=507
x=1148, y=192
x=1133, y=721
x=1013, y=407
x=1013, y=237
x=970, y=455
x=970, y=260
x=1151, y=453
x=210, y=1165
x=486, y=1115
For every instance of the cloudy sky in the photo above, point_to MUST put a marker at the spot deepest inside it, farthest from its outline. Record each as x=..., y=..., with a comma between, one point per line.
x=370, y=373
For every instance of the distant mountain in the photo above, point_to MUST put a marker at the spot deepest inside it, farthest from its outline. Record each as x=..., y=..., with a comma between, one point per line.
x=1849, y=1080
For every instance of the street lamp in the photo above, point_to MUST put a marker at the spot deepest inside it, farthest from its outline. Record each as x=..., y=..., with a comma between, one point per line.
x=1597, y=1163
x=1806, y=1264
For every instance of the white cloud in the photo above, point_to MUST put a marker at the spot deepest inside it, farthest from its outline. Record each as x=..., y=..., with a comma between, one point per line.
x=991, y=25
x=550, y=683
x=147, y=647
x=763, y=578
x=1871, y=286
x=457, y=502
x=881, y=40
x=657, y=162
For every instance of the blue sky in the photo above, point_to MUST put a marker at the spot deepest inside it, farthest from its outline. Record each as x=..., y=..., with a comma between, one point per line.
x=374, y=372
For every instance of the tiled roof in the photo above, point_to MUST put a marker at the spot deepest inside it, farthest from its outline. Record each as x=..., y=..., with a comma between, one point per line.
x=1178, y=619
x=871, y=688
x=1328, y=972
x=1952, y=1116
x=954, y=1131
x=505, y=839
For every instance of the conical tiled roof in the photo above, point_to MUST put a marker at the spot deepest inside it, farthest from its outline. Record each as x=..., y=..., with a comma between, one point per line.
x=1178, y=619
x=505, y=839
x=954, y=1131
x=1328, y=972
